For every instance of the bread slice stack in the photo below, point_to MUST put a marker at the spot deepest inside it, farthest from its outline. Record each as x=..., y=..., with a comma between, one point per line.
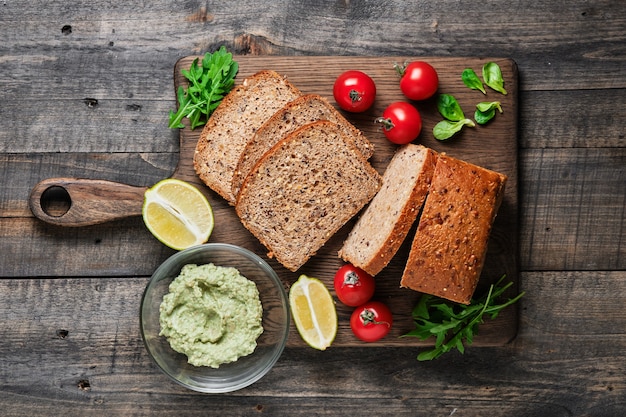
x=294, y=168
x=295, y=114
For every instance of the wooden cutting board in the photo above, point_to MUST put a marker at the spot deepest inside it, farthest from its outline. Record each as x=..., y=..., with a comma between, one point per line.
x=492, y=146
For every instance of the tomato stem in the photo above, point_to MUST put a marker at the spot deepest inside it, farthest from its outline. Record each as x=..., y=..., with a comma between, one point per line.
x=386, y=122
x=369, y=317
x=400, y=69
x=355, y=96
x=351, y=278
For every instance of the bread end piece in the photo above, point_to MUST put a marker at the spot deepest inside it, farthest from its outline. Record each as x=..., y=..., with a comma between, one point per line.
x=449, y=248
x=385, y=223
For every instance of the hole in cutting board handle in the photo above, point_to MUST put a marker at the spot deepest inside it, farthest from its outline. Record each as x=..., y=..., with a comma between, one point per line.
x=55, y=201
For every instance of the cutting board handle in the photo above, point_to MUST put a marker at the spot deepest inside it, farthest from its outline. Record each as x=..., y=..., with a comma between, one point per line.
x=83, y=202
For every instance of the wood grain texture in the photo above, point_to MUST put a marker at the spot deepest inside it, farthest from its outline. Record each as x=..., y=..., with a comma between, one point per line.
x=85, y=332
x=594, y=178
x=57, y=57
x=492, y=146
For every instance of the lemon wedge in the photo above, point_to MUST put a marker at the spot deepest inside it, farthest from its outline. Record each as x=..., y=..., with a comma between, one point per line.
x=313, y=311
x=177, y=214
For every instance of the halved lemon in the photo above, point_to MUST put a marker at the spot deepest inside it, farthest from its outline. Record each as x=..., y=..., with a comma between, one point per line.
x=177, y=214
x=313, y=311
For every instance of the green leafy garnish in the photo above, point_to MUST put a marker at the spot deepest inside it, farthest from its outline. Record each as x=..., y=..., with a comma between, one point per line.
x=493, y=77
x=209, y=82
x=454, y=325
x=471, y=80
x=486, y=111
x=450, y=109
x=445, y=129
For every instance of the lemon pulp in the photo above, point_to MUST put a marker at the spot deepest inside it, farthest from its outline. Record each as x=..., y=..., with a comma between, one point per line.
x=314, y=313
x=177, y=214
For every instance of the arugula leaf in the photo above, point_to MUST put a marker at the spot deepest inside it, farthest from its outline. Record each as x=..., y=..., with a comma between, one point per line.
x=209, y=81
x=454, y=325
x=471, y=80
x=493, y=77
x=486, y=111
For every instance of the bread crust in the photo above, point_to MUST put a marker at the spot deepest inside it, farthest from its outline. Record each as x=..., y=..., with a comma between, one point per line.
x=448, y=251
x=303, y=190
x=404, y=175
x=233, y=123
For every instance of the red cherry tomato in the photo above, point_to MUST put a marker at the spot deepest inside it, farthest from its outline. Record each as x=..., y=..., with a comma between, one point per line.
x=419, y=80
x=353, y=285
x=371, y=321
x=354, y=91
x=401, y=122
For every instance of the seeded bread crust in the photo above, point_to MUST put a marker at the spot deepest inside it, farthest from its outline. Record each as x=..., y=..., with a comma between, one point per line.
x=233, y=124
x=448, y=251
x=385, y=223
x=295, y=114
x=303, y=190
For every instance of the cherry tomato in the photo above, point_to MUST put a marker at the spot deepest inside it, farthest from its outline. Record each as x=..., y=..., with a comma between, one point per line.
x=419, y=80
x=371, y=321
x=353, y=285
x=401, y=122
x=354, y=91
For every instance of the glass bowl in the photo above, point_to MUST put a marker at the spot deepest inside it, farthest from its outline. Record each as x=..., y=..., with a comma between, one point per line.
x=247, y=369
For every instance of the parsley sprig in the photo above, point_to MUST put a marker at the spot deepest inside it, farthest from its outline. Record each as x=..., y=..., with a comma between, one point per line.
x=209, y=82
x=454, y=325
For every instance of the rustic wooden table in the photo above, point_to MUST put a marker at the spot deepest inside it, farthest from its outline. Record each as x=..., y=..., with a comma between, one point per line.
x=85, y=88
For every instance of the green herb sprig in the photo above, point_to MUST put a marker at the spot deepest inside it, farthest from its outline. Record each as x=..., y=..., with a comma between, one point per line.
x=454, y=325
x=209, y=82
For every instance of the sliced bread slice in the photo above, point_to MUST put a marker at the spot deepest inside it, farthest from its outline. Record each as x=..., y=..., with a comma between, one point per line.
x=384, y=224
x=448, y=251
x=295, y=114
x=233, y=124
x=303, y=190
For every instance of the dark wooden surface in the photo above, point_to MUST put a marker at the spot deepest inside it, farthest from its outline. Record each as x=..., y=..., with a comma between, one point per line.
x=85, y=90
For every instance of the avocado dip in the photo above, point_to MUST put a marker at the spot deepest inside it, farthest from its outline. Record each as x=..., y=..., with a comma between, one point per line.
x=212, y=314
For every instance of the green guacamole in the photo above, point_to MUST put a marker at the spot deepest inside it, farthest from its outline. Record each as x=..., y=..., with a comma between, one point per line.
x=212, y=314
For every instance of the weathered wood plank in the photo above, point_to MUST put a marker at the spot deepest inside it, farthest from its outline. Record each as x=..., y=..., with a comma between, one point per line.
x=86, y=333
x=104, y=41
x=568, y=199
x=547, y=119
x=564, y=193
x=88, y=124
x=572, y=119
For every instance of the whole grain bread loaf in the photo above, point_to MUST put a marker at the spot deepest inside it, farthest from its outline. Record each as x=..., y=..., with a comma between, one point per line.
x=303, y=190
x=295, y=114
x=233, y=124
x=448, y=251
x=385, y=223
